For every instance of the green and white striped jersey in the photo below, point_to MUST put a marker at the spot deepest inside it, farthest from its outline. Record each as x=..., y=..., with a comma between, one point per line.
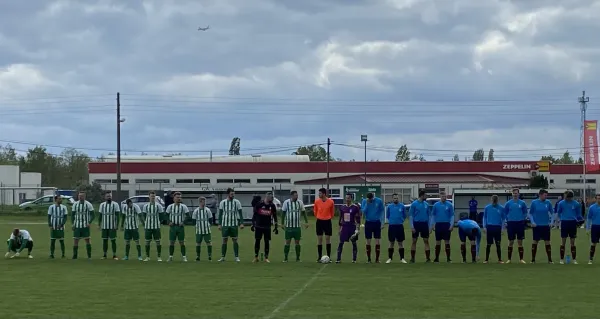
x=202, y=216
x=131, y=216
x=58, y=216
x=293, y=212
x=177, y=214
x=152, y=212
x=109, y=215
x=229, y=211
x=82, y=214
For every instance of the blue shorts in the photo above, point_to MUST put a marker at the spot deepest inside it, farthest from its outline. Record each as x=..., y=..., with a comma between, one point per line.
x=568, y=228
x=463, y=235
x=595, y=234
x=442, y=231
x=421, y=230
x=494, y=234
x=516, y=230
x=541, y=233
x=396, y=233
x=373, y=230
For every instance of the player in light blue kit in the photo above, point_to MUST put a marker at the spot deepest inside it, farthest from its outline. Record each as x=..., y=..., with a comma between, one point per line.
x=593, y=227
x=469, y=229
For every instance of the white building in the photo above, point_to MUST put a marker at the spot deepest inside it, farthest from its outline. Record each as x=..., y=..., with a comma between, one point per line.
x=17, y=187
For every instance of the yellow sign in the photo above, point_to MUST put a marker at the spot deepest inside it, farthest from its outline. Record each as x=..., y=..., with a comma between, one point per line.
x=543, y=166
x=592, y=126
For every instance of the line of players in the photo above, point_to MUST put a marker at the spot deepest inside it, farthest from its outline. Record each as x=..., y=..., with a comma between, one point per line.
x=423, y=220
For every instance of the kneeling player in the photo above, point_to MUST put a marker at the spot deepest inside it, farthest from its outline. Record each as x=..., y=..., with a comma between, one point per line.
x=593, y=226
x=349, y=222
x=203, y=217
x=469, y=229
x=18, y=241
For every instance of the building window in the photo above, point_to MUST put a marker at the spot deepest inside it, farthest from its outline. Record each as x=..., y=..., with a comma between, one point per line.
x=580, y=181
x=143, y=181
x=224, y=181
x=202, y=181
x=264, y=181
x=404, y=194
x=308, y=196
x=142, y=192
x=123, y=181
x=589, y=193
x=103, y=181
x=161, y=181
x=184, y=181
x=551, y=181
x=242, y=181
x=283, y=181
x=335, y=192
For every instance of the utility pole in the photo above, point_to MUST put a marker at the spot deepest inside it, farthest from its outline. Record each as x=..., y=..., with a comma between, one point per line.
x=363, y=138
x=328, y=157
x=583, y=101
x=118, y=147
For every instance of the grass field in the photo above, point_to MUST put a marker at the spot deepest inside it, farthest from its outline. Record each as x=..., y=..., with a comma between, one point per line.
x=44, y=288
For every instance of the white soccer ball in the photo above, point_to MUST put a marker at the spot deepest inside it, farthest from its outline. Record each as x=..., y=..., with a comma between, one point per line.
x=325, y=259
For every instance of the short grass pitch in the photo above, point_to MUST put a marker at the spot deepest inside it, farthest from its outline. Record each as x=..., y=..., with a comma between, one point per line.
x=44, y=288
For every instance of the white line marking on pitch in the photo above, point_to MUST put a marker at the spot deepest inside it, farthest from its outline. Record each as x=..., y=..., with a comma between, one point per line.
x=298, y=293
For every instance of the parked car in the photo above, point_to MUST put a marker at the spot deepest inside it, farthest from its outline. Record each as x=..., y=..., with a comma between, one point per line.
x=141, y=200
x=44, y=202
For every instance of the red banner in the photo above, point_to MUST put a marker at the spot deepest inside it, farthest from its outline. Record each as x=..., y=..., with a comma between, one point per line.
x=590, y=136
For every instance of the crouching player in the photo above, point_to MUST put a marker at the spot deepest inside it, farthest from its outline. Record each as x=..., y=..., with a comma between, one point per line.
x=469, y=229
x=593, y=226
x=18, y=241
x=349, y=224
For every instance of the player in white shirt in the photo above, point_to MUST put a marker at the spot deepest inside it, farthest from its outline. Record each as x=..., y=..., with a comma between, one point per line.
x=18, y=241
x=203, y=217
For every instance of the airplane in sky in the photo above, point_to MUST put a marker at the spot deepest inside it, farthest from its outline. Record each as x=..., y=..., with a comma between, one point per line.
x=203, y=29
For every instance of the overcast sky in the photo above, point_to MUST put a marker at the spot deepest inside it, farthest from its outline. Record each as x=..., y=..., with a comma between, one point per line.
x=443, y=76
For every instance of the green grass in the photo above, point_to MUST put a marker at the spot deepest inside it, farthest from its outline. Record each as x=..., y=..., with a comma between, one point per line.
x=43, y=288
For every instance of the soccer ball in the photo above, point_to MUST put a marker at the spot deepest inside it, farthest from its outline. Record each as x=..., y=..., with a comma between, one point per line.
x=325, y=259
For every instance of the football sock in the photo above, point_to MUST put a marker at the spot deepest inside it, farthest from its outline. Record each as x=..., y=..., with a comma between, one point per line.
x=390, y=252
x=139, y=250
x=463, y=251
x=510, y=251
x=339, y=250
x=256, y=247
x=298, y=252
x=52, y=246
x=104, y=246
x=521, y=252
x=488, y=249
x=158, y=250
x=562, y=252
x=267, y=248
x=533, y=251
x=574, y=252
x=592, y=252
x=320, y=251
x=473, y=253
x=368, y=248
x=197, y=251
x=401, y=251
x=236, y=249
x=223, y=250
x=286, y=251
x=62, y=246
x=147, y=250
x=549, y=252
x=127, y=249
x=437, y=252
x=428, y=254
x=88, y=248
x=354, y=250
x=377, y=252
x=171, y=250
x=113, y=244
x=448, y=251
x=328, y=248
x=182, y=249
x=75, y=251
x=413, y=253
x=499, y=251
x=209, y=250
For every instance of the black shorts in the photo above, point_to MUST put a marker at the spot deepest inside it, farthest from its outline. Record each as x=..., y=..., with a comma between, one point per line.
x=421, y=230
x=595, y=234
x=463, y=235
x=541, y=233
x=515, y=230
x=568, y=228
x=442, y=231
x=396, y=233
x=262, y=233
x=324, y=227
x=373, y=230
x=17, y=245
x=493, y=234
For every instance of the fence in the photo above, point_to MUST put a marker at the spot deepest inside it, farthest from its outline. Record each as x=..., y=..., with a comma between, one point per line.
x=12, y=197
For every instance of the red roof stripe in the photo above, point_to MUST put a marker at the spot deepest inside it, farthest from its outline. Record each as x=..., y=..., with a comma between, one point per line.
x=418, y=179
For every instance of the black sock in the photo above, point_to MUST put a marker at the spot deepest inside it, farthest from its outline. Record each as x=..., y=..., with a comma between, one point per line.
x=549, y=252
x=521, y=252
x=473, y=253
x=488, y=249
x=267, y=248
x=499, y=251
x=256, y=247
x=533, y=251
x=592, y=252
x=574, y=252
x=320, y=251
x=428, y=254
x=562, y=252
x=413, y=253
x=377, y=252
x=390, y=252
x=448, y=251
x=437, y=252
x=463, y=251
x=328, y=247
x=510, y=250
x=401, y=251
x=368, y=248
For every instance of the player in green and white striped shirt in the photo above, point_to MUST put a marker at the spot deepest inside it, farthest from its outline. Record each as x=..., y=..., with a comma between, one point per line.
x=82, y=216
x=203, y=216
x=57, y=218
x=130, y=224
x=108, y=222
x=177, y=213
x=153, y=214
x=292, y=211
x=230, y=220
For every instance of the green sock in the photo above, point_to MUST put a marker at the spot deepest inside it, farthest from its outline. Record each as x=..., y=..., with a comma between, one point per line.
x=127, y=248
x=286, y=252
x=52, y=246
x=104, y=246
x=236, y=249
x=198, y=251
x=182, y=250
x=298, y=252
x=88, y=248
x=158, y=250
x=148, y=251
x=209, y=249
x=62, y=247
x=113, y=243
x=139, y=249
x=75, y=251
x=171, y=250
x=223, y=250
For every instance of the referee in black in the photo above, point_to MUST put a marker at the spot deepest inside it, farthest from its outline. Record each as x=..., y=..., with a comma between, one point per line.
x=265, y=214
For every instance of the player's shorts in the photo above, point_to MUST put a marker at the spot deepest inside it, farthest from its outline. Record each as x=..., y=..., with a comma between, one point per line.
x=81, y=233
x=262, y=233
x=16, y=245
x=373, y=230
x=463, y=235
x=207, y=238
x=150, y=234
x=229, y=231
x=568, y=228
x=541, y=233
x=176, y=233
x=396, y=233
x=324, y=227
x=57, y=234
x=131, y=234
x=442, y=231
x=494, y=234
x=346, y=232
x=109, y=233
x=421, y=230
x=595, y=234
x=294, y=233
x=515, y=230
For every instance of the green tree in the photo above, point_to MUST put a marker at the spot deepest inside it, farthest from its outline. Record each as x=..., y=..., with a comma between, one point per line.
x=566, y=158
x=234, y=148
x=316, y=153
x=75, y=167
x=93, y=192
x=549, y=158
x=490, y=156
x=538, y=181
x=456, y=158
x=8, y=155
x=478, y=155
x=403, y=154
x=422, y=158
